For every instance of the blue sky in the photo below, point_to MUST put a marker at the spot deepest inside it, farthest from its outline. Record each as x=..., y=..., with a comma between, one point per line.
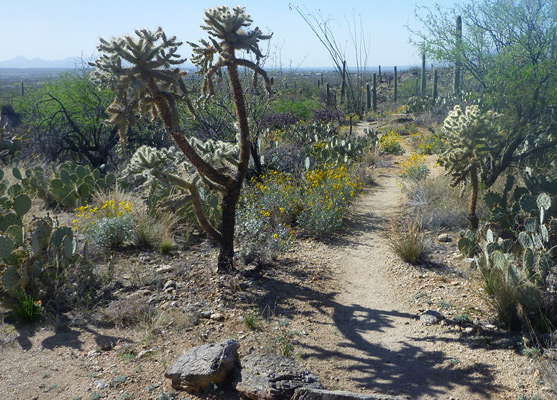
x=58, y=29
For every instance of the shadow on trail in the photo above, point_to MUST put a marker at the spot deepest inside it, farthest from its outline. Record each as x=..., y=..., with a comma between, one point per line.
x=408, y=370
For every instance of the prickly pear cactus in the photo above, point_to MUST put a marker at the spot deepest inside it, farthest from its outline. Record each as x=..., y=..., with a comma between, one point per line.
x=69, y=185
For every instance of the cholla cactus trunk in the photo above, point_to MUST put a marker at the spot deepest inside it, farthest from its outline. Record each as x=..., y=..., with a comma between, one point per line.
x=473, y=201
x=230, y=199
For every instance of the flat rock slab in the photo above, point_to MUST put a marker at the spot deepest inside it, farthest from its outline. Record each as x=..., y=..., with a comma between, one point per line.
x=203, y=366
x=305, y=393
x=270, y=377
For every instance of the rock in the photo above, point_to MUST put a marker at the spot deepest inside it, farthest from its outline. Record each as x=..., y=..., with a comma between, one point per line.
x=169, y=285
x=468, y=329
x=431, y=317
x=100, y=385
x=271, y=377
x=444, y=238
x=164, y=269
x=217, y=317
x=203, y=366
x=306, y=393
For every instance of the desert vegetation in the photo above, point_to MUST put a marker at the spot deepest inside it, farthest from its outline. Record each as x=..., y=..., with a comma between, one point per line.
x=130, y=155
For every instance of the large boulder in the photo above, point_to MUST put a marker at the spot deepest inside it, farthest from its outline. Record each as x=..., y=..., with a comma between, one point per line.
x=270, y=377
x=204, y=366
x=305, y=393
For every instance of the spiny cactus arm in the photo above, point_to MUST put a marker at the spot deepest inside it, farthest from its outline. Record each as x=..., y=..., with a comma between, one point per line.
x=257, y=70
x=170, y=120
x=204, y=168
x=196, y=202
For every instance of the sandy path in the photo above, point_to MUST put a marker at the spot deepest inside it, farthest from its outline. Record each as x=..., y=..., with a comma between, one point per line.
x=371, y=337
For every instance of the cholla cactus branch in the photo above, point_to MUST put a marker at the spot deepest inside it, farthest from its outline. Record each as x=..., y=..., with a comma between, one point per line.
x=472, y=137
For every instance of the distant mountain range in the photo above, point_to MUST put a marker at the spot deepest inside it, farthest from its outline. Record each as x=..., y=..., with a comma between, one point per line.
x=22, y=62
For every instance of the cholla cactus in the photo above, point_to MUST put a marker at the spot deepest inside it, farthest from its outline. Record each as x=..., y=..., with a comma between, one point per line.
x=151, y=56
x=140, y=70
x=227, y=34
x=470, y=136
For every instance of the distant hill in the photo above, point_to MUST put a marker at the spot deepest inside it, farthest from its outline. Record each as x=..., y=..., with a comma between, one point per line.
x=22, y=62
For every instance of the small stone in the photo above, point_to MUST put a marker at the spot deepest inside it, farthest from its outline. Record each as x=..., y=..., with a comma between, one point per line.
x=144, y=353
x=217, y=317
x=431, y=317
x=169, y=284
x=206, y=314
x=164, y=269
x=444, y=238
x=491, y=327
x=100, y=385
x=468, y=329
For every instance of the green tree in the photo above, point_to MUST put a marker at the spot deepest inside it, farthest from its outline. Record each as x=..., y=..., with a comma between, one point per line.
x=508, y=57
x=142, y=71
x=67, y=119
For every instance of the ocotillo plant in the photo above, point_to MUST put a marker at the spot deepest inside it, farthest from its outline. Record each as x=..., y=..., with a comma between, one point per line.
x=151, y=86
x=343, y=87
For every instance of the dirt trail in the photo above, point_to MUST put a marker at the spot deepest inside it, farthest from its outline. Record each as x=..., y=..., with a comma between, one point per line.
x=373, y=339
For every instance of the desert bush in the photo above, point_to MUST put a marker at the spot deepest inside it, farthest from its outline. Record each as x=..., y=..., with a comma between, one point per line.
x=302, y=109
x=413, y=170
x=25, y=309
x=390, y=143
x=108, y=225
x=408, y=239
x=270, y=204
x=328, y=115
x=439, y=204
x=328, y=191
x=279, y=120
x=427, y=143
x=128, y=312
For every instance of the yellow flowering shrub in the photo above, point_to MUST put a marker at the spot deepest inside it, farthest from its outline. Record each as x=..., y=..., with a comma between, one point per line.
x=108, y=224
x=391, y=143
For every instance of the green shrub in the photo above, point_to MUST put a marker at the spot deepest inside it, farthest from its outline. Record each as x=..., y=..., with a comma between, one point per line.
x=26, y=309
x=112, y=232
x=327, y=193
x=108, y=225
x=269, y=206
x=303, y=109
x=390, y=143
